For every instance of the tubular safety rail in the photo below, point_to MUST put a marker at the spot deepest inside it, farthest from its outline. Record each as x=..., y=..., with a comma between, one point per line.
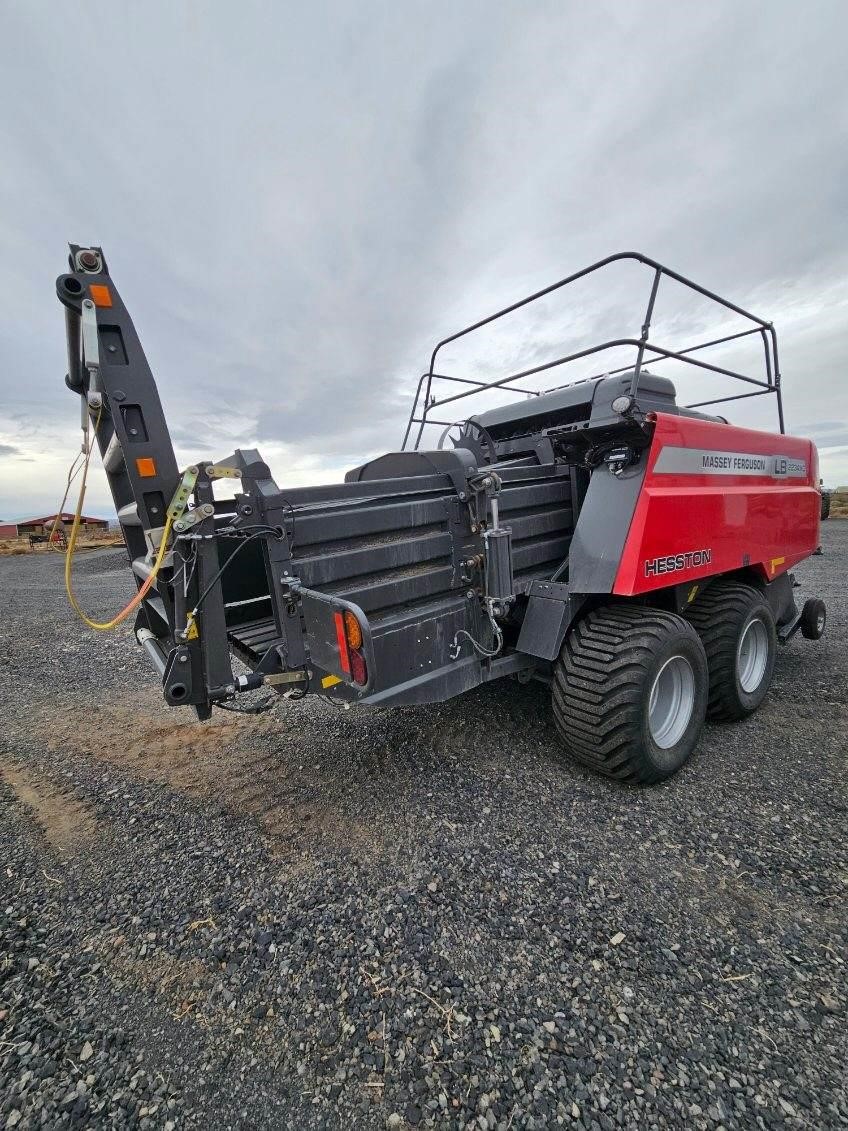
x=422, y=408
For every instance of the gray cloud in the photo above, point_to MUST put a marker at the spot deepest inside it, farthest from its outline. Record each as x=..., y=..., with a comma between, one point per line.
x=296, y=202
x=827, y=434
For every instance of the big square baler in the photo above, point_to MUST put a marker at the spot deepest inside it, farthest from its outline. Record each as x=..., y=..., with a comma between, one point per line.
x=632, y=553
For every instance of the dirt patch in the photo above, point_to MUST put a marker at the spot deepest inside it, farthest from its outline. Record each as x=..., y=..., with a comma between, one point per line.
x=65, y=821
x=232, y=761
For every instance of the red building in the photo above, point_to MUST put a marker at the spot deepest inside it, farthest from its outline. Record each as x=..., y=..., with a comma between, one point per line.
x=44, y=524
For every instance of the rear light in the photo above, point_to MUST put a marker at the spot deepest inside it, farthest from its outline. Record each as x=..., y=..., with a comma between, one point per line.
x=358, y=670
x=353, y=630
x=349, y=641
x=344, y=655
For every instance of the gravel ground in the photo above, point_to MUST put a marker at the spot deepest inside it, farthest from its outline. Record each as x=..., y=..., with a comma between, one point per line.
x=420, y=917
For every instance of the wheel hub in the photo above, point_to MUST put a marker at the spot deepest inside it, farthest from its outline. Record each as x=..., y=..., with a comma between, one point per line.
x=752, y=655
x=671, y=702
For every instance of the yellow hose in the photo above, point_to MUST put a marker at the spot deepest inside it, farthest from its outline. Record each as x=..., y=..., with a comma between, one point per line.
x=102, y=626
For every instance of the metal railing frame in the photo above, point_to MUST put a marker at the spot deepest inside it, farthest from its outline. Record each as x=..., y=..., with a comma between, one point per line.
x=642, y=345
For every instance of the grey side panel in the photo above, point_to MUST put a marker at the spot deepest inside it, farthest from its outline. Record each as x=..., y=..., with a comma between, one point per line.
x=431, y=687
x=399, y=549
x=602, y=528
x=393, y=551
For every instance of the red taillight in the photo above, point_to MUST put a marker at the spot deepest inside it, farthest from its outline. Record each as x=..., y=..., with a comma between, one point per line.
x=358, y=670
x=344, y=655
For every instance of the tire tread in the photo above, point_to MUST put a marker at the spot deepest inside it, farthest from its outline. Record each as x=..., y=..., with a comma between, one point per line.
x=715, y=615
x=597, y=687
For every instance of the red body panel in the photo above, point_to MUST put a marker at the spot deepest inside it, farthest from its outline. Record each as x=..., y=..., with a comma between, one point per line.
x=719, y=499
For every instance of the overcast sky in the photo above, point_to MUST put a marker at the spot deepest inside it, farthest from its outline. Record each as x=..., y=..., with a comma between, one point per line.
x=296, y=201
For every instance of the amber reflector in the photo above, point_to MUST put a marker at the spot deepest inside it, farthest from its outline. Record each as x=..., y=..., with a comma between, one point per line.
x=353, y=630
x=100, y=294
x=145, y=467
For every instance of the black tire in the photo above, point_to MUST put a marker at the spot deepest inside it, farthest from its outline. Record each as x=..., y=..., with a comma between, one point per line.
x=724, y=615
x=825, y=506
x=813, y=619
x=602, y=687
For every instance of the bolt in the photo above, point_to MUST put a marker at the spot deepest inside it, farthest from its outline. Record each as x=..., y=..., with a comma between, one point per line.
x=112, y=349
x=133, y=431
x=183, y=659
x=462, y=495
x=88, y=259
x=246, y=508
x=470, y=594
x=88, y=304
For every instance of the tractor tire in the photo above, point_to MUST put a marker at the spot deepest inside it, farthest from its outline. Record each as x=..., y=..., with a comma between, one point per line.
x=825, y=506
x=630, y=692
x=737, y=629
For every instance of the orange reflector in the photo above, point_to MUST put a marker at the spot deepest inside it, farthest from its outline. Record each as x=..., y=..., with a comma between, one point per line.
x=353, y=630
x=344, y=658
x=146, y=467
x=100, y=294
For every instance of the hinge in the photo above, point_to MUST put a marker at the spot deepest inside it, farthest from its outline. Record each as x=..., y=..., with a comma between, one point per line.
x=183, y=493
x=218, y=471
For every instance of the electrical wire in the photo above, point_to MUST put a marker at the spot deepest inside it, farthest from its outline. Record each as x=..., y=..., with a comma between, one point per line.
x=181, y=575
x=259, y=708
x=263, y=533
x=297, y=693
x=486, y=653
x=73, y=472
x=290, y=534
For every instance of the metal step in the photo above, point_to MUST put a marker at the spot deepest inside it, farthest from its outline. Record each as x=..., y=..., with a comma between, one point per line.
x=142, y=568
x=253, y=639
x=154, y=604
x=128, y=515
x=113, y=457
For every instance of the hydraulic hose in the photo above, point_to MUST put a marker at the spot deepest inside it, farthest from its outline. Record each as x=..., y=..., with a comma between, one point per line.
x=103, y=626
